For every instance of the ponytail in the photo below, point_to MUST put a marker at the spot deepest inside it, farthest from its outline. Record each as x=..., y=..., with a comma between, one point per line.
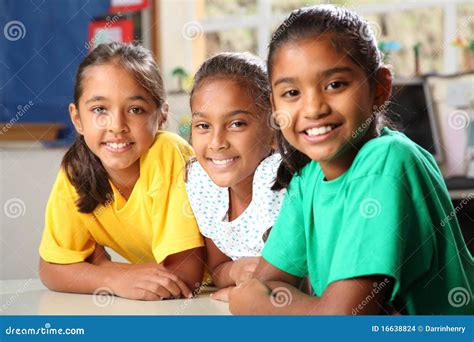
x=88, y=176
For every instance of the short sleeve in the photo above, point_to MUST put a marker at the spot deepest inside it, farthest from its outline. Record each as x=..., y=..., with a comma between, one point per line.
x=175, y=227
x=286, y=245
x=381, y=234
x=66, y=239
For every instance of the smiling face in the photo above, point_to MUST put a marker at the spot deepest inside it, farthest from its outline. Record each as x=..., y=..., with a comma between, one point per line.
x=326, y=98
x=117, y=117
x=230, y=136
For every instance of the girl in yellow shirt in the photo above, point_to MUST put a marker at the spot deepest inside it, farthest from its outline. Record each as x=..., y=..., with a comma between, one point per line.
x=121, y=185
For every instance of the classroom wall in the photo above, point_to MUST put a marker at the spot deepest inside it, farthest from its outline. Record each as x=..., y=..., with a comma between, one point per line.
x=28, y=171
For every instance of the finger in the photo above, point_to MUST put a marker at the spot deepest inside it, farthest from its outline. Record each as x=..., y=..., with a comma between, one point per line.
x=170, y=285
x=156, y=288
x=143, y=294
x=222, y=294
x=184, y=289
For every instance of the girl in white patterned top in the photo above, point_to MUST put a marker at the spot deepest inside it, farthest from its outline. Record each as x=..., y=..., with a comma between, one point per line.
x=229, y=187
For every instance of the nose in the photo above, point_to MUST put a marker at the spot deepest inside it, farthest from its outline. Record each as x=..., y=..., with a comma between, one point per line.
x=218, y=140
x=118, y=123
x=315, y=106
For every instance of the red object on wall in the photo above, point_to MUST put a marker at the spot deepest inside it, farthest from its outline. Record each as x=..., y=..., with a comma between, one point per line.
x=105, y=31
x=127, y=5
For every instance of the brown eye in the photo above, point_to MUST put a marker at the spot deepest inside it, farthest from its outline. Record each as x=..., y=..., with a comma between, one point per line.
x=201, y=126
x=238, y=124
x=291, y=93
x=335, y=85
x=137, y=110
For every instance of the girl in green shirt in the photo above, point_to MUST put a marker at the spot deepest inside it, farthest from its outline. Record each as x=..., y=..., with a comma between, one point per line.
x=367, y=215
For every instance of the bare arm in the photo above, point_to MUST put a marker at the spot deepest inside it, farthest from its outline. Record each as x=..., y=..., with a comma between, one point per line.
x=225, y=271
x=146, y=281
x=267, y=272
x=344, y=297
x=219, y=264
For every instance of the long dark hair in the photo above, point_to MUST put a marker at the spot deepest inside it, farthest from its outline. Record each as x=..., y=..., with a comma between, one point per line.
x=83, y=168
x=350, y=33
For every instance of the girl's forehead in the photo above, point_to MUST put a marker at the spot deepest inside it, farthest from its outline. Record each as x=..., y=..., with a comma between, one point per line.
x=310, y=55
x=111, y=78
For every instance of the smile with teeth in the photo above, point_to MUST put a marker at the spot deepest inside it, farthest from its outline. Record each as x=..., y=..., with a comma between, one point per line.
x=222, y=161
x=312, y=132
x=117, y=146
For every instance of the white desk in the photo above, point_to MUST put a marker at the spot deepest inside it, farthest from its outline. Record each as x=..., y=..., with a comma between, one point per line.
x=30, y=297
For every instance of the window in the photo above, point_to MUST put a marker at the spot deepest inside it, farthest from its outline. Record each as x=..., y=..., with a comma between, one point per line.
x=246, y=25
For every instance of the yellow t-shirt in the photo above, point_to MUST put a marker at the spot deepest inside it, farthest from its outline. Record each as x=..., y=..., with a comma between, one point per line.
x=156, y=220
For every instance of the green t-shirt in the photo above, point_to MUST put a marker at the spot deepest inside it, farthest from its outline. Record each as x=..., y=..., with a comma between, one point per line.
x=388, y=214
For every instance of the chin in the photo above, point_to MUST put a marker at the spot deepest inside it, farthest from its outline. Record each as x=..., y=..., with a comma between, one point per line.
x=223, y=183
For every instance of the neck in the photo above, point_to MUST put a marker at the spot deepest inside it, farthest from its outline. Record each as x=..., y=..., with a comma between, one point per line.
x=240, y=197
x=125, y=181
x=336, y=166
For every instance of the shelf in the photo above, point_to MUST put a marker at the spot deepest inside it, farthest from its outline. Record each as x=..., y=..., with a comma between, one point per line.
x=29, y=131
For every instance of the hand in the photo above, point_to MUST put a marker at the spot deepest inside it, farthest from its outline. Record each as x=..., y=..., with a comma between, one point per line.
x=148, y=283
x=243, y=298
x=223, y=294
x=242, y=269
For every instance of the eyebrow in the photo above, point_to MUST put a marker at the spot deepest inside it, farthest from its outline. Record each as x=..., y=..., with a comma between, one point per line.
x=233, y=113
x=324, y=74
x=103, y=98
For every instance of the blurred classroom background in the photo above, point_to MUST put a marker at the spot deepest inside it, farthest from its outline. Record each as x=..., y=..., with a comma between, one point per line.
x=428, y=43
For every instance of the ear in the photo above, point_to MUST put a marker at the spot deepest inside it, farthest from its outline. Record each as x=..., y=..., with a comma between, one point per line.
x=75, y=118
x=383, y=86
x=164, y=111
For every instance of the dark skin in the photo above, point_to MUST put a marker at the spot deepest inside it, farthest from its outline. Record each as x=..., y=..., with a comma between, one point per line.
x=149, y=281
x=318, y=86
x=340, y=298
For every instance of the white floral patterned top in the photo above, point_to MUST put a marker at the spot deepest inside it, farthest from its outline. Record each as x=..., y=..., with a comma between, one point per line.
x=244, y=236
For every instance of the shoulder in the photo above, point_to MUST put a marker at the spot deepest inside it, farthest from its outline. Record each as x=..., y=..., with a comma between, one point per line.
x=266, y=171
x=208, y=201
x=167, y=143
x=63, y=195
x=197, y=177
x=267, y=202
x=391, y=154
x=63, y=187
